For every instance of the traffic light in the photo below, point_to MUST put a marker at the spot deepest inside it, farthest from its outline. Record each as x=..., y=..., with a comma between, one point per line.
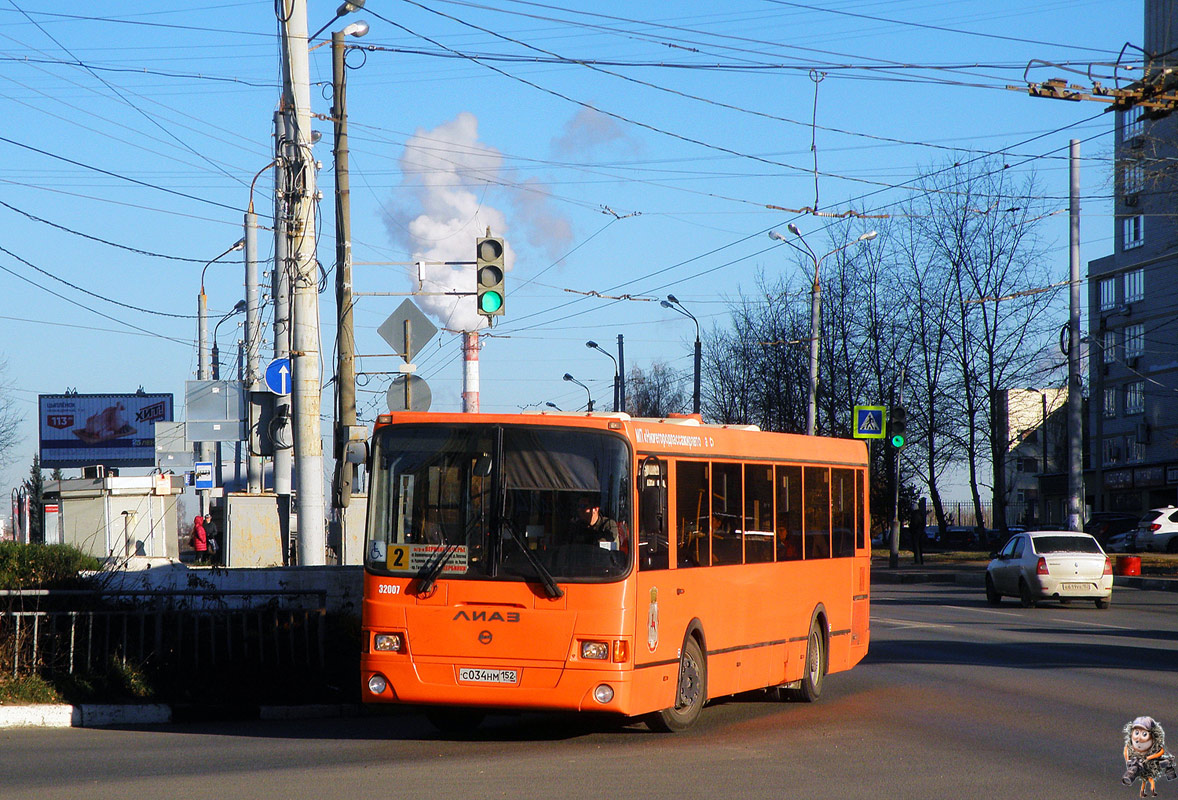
x=898, y=421
x=489, y=273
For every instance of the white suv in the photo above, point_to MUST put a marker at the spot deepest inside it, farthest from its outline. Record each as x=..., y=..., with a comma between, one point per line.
x=1158, y=530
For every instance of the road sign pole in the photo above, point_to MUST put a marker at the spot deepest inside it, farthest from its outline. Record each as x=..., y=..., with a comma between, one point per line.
x=894, y=555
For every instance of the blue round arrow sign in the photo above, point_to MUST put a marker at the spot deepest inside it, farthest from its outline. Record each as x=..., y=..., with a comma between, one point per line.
x=278, y=376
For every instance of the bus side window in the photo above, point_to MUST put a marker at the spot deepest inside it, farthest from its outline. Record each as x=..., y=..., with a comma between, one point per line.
x=653, y=547
x=860, y=509
x=692, y=514
x=842, y=508
x=727, y=502
x=789, y=513
x=758, y=513
x=817, y=489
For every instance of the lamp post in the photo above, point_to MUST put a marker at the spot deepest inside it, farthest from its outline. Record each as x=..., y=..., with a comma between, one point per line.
x=202, y=315
x=595, y=346
x=204, y=450
x=345, y=389
x=815, y=311
x=571, y=379
x=237, y=309
x=673, y=303
x=553, y=405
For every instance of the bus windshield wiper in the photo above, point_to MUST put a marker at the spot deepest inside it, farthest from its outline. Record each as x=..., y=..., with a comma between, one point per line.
x=427, y=576
x=550, y=587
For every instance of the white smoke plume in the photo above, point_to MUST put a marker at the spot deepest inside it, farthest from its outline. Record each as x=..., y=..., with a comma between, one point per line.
x=441, y=211
x=590, y=130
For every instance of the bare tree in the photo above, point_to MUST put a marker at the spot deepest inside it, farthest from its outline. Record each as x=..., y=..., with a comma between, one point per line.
x=656, y=391
x=979, y=225
x=10, y=417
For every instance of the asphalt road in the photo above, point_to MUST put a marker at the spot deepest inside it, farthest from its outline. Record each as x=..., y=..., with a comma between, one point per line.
x=957, y=699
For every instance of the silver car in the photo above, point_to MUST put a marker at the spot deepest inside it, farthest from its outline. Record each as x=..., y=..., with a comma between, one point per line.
x=1041, y=565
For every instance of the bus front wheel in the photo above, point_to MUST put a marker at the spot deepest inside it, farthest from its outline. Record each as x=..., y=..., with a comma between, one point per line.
x=811, y=685
x=690, y=695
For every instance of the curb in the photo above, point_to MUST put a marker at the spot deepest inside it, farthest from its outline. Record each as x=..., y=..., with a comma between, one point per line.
x=83, y=716
x=102, y=716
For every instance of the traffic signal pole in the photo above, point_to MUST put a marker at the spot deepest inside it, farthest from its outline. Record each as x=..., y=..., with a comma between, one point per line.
x=894, y=555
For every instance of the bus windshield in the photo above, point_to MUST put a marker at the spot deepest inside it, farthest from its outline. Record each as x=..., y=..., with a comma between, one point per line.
x=499, y=502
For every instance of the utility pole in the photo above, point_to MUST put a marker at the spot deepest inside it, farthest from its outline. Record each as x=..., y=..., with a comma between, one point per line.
x=253, y=333
x=204, y=450
x=305, y=354
x=1075, y=401
x=621, y=375
x=345, y=381
x=280, y=290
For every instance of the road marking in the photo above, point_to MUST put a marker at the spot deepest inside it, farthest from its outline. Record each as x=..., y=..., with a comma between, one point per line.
x=1094, y=624
x=905, y=623
x=986, y=611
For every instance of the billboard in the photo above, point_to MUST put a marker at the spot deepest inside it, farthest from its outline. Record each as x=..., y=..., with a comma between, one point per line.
x=77, y=430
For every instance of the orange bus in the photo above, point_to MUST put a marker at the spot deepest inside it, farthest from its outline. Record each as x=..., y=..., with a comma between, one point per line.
x=598, y=562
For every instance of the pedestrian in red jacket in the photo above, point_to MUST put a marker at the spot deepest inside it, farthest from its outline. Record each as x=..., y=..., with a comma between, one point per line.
x=200, y=539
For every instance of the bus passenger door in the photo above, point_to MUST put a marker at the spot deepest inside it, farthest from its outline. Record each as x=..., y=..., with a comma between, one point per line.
x=653, y=547
x=658, y=633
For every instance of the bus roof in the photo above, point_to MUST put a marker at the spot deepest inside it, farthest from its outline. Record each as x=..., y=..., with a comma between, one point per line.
x=679, y=435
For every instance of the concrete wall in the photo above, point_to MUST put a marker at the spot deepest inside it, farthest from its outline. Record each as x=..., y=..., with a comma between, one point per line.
x=343, y=585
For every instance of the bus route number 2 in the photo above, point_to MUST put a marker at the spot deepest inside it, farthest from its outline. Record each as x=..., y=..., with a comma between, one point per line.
x=398, y=558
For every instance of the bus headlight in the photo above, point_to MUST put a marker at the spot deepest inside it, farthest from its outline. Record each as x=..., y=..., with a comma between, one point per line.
x=388, y=642
x=377, y=684
x=603, y=693
x=595, y=651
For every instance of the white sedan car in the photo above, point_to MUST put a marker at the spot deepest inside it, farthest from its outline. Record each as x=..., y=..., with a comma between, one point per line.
x=1040, y=565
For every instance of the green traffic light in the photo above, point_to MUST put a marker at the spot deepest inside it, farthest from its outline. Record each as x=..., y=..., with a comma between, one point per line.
x=897, y=441
x=490, y=302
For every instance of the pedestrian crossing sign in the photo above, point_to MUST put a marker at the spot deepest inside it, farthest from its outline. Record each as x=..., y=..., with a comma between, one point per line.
x=869, y=422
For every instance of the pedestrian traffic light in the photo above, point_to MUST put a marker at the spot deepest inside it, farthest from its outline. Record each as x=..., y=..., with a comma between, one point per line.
x=489, y=274
x=898, y=421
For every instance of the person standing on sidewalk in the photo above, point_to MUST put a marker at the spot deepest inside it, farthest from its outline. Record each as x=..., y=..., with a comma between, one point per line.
x=214, y=543
x=200, y=539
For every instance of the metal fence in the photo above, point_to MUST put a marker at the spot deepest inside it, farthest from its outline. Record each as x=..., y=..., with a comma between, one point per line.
x=85, y=633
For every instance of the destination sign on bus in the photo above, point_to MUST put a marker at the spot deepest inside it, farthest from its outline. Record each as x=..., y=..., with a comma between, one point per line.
x=673, y=439
x=417, y=556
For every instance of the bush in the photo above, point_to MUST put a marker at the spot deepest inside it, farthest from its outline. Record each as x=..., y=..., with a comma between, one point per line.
x=43, y=566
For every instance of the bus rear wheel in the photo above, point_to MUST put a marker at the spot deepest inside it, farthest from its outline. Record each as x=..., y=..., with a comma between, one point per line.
x=811, y=686
x=690, y=695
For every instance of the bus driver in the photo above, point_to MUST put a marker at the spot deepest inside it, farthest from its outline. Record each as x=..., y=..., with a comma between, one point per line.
x=590, y=527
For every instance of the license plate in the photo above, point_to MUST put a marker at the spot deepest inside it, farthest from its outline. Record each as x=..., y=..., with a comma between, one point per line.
x=473, y=675
x=1076, y=587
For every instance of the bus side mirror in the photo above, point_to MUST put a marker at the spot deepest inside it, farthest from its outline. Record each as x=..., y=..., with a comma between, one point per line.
x=356, y=452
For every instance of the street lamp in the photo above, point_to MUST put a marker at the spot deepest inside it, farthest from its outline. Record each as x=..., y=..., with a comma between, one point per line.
x=815, y=311
x=202, y=315
x=553, y=405
x=595, y=346
x=237, y=309
x=571, y=379
x=673, y=303
x=346, y=7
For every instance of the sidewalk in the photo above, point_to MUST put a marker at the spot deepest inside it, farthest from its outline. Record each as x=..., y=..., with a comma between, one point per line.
x=103, y=716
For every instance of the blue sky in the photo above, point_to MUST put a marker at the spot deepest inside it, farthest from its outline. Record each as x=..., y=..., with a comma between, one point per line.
x=133, y=133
